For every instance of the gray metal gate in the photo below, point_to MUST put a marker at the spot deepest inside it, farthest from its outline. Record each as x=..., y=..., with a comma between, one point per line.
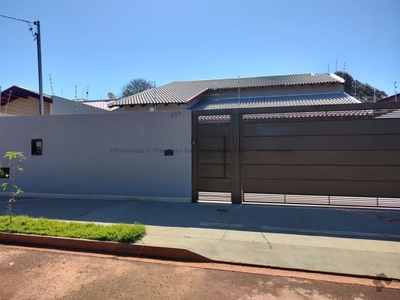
x=213, y=155
x=300, y=154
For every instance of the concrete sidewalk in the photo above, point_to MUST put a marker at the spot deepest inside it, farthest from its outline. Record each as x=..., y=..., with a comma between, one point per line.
x=345, y=241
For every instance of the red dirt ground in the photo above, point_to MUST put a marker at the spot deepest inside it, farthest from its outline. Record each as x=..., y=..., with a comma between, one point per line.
x=30, y=273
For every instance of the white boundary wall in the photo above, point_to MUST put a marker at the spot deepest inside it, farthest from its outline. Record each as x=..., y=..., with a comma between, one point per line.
x=62, y=106
x=118, y=154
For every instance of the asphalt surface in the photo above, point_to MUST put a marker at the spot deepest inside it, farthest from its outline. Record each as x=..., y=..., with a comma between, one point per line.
x=42, y=274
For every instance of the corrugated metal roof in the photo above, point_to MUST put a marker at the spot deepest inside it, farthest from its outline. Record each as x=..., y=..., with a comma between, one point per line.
x=184, y=91
x=390, y=114
x=312, y=114
x=291, y=116
x=277, y=101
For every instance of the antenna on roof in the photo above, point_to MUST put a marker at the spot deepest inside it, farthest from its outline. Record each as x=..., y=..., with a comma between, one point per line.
x=76, y=96
x=51, y=85
x=336, y=66
x=155, y=96
x=87, y=93
x=344, y=67
x=8, y=102
x=239, y=87
x=110, y=96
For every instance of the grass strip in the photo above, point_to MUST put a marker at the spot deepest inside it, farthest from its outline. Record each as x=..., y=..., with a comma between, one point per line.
x=123, y=233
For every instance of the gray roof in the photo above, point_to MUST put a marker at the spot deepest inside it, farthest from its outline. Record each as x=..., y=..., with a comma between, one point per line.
x=102, y=104
x=184, y=91
x=277, y=101
x=390, y=114
x=293, y=116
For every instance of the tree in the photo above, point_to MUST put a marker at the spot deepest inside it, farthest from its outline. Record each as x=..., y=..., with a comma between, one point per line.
x=14, y=157
x=136, y=86
x=362, y=91
x=348, y=84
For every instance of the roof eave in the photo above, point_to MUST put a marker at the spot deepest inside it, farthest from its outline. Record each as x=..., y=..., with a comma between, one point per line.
x=21, y=92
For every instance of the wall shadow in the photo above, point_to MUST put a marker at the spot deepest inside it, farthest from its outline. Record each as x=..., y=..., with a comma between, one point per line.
x=310, y=221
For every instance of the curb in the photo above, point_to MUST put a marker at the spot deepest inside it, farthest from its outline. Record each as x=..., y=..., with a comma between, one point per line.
x=143, y=251
x=99, y=197
x=93, y=246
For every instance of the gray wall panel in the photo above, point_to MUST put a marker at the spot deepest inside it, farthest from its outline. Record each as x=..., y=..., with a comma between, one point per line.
x=212, y=130
x=331, y=142
x=213, y=143
x=323, y=157
x=323, y=128
x=214, y=171
x=205, y=157
x=387, y=173
x=354, y=157
x=214, y=185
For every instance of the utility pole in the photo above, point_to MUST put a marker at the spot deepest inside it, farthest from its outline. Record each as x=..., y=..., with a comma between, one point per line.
x=39, y=53
x=395, y=93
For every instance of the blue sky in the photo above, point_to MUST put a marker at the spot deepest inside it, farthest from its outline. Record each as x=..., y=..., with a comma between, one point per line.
x=103, y=44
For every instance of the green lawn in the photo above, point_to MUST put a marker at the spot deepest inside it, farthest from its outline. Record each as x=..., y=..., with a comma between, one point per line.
x=124, y=233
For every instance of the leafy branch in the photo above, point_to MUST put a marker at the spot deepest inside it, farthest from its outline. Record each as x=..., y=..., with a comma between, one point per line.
x=14, y=158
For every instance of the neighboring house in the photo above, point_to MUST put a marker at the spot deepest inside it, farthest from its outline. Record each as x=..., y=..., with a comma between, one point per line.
x=393, y=112
x=267, y=91
x=393, y=98
x=101, y=104
x=20, y=101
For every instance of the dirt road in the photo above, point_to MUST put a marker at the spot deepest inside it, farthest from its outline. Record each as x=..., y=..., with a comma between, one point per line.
x=29, y=273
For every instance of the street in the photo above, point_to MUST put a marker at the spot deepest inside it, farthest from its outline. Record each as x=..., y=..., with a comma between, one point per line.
x=30, y=273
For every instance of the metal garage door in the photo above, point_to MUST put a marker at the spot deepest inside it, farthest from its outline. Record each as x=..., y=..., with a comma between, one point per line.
x=339, y=154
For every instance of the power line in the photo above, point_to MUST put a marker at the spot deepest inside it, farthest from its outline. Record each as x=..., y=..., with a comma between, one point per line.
x=35, y=35
x=15, y=19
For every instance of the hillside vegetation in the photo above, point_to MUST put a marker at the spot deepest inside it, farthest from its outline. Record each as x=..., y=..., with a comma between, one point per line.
x=362, y=91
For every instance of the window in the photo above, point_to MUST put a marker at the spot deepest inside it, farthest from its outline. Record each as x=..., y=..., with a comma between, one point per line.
x=4, y=172
x=37, y=147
